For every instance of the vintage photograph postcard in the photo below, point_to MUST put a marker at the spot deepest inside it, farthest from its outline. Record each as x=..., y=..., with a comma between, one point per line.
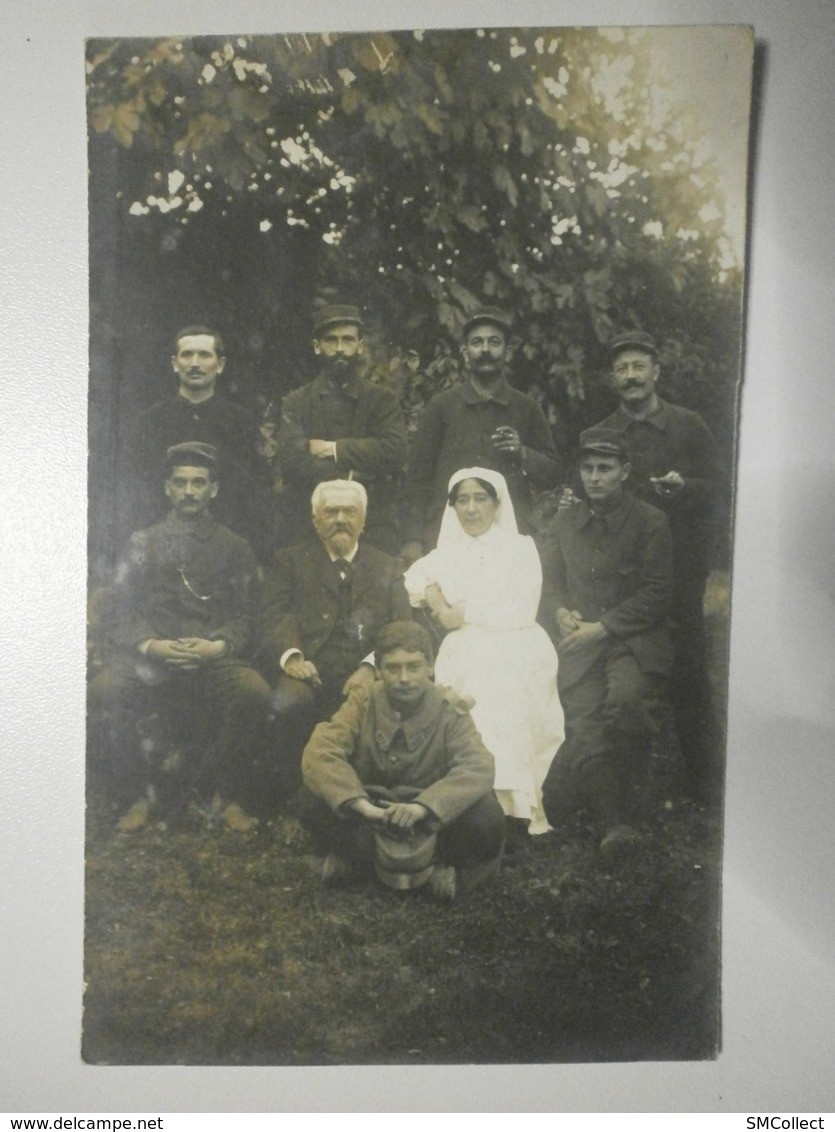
x=415, y=359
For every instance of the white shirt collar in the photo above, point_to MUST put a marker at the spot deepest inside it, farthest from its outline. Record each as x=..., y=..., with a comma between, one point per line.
x=349, y=557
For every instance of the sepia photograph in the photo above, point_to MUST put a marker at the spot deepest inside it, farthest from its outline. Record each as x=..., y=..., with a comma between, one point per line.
x=185, y=930
x=414, y=362
x=415, y=359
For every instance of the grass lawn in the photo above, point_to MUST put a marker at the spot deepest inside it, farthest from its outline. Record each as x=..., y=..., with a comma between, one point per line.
x=207, y=947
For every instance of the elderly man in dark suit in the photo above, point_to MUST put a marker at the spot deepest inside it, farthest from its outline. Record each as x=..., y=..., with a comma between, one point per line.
x=323, y=604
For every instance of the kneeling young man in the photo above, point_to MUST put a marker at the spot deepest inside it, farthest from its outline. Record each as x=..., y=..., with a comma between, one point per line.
x=405, y=778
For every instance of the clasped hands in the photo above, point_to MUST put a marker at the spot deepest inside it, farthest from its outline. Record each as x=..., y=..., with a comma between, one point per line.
x=186, y=652
x=403, y=815
x=577, y=634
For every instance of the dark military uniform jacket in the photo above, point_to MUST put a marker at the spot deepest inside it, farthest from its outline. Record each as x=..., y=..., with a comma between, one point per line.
x=676, y=439
x=179, y=579
x=367, y=425
x=243, y=502
x=455, y=431
x=616, y=568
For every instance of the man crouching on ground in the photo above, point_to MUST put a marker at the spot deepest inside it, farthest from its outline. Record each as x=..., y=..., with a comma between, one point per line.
x=405, y=779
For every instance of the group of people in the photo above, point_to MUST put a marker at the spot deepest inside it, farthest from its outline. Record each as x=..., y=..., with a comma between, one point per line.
x=409, y=696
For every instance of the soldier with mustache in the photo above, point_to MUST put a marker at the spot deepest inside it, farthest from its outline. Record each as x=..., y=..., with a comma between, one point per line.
x=198, y=412
x=179, y=628
x=484, y=422
x=341, y=427
x=676, y=467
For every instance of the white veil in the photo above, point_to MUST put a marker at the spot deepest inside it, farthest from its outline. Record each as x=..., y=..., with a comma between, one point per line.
x=499, y=656
x=504, y=526
x=489, y=573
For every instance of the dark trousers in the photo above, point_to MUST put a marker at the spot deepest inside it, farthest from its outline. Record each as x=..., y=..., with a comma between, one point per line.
x=297, y=708
x=141, y=712
x=699, y=736
x=609, y=735
x=475, y=836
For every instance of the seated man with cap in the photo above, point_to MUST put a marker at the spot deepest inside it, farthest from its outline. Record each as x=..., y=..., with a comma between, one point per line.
x=197, y=411
x=341, y=427
x=400, y=778
x=607, y=588
x=180, y=623
x=323, y=604
x=482, y=422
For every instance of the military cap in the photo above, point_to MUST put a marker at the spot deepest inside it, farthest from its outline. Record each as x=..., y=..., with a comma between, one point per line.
x=488, y=314
x=604, y=441
x=633, y=340
x=194, y=453
x=335, y=313
x=404, y=859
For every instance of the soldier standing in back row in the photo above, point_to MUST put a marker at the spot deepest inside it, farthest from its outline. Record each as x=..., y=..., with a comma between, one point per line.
x=196, y=412
x=340, y=427
x=676, y=467
x=481, y=422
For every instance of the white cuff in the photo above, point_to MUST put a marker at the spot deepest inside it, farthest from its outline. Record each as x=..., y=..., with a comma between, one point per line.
x=285, y=656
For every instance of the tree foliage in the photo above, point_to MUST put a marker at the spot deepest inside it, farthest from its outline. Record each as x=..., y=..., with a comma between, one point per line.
x=424, y=173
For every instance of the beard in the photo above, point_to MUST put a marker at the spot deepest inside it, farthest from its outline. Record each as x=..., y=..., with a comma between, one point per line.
x=340, y=542
x=341, y=370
